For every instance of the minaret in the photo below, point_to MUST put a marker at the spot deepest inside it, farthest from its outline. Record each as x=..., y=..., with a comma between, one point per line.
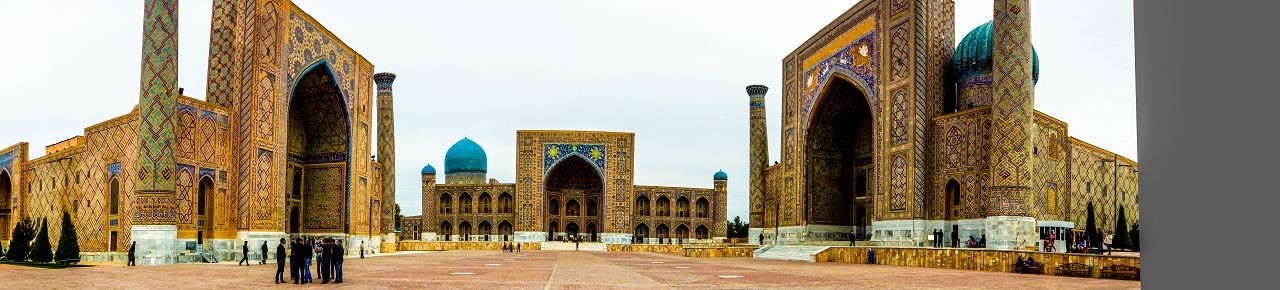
x=759, y=159
x=153, y=211
x=428, y=196
x=1008, y=224
x=387, y=151
x=721, y=181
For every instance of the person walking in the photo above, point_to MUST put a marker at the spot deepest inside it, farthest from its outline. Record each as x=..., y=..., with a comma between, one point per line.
x=264, y=252
x=132, y=247
x=851, y=238
x=517, y=247
x=244, y=259
x=955, y=238
x=338, y=253
x=280, y=255
x=362, y=249
x=761, y=238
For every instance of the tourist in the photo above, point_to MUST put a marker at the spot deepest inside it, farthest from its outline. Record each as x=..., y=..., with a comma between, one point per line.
x=362, y=249
x=264, y=253
x=338, y=252
x=1106, y=242
x=244, y=258
x=321, y=261
x=295, y=260
x=851, y=238
x=761, y=238
x=307, y=254
x=1049, y=247
x=982, y=243
x=955, y=238
x=132, y=247
x=279, y=261
x=517, y=247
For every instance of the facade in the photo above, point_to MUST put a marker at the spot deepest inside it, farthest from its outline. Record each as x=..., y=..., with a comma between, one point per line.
x=275, y=150
x=567, y=183
x=891, y=131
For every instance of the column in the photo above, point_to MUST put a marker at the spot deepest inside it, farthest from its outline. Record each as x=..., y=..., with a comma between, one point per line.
x=1008, y=224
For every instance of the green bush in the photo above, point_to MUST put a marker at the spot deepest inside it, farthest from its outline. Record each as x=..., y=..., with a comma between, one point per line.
x=20, y=242
x=68, y=246
x=41, y=250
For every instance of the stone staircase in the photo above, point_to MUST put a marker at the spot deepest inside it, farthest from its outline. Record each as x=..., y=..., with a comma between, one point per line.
x=788, y=252
x=565, y=246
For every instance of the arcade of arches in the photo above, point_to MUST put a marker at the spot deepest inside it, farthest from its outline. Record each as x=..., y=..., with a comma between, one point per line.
x=575, y=187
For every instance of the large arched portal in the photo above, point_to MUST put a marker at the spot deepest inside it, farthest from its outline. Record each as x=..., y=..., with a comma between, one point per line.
x=6, y=192
x=839, y=145
x=575, y=181
x=319, y=147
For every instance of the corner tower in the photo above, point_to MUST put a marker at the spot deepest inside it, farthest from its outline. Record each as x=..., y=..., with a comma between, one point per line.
x=1008, y=223
x=759, y=158
x=387, y=150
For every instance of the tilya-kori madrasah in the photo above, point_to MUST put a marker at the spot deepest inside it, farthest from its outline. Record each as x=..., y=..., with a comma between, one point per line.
x=889, y=131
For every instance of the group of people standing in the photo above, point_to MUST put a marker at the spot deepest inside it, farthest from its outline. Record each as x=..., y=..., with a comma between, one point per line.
x=327, y=253
x=510, y=247
x=939, y=234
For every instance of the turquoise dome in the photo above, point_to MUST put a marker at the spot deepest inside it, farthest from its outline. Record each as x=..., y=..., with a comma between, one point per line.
x=720, y=175
x=465, y=155
x=428, y=169
x=973, y=55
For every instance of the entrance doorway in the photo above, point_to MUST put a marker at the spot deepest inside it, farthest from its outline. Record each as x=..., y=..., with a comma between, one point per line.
x=839, y=144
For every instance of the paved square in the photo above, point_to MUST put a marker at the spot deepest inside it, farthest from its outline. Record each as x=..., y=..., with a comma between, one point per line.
x=549, y=270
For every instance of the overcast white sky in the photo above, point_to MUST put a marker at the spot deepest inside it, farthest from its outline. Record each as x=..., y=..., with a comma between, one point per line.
x=671, y=71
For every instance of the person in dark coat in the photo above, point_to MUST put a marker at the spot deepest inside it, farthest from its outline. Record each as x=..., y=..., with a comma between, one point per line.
x=851, y=237
x=338, y=253
x=308, y=252
x=279, y=261
x=322, y=261
x=132, y=247
x=761, y=238
x=294, y=261
x=517, y=247
x=362, y=249
x=955, y=239
x=264, y=252
x=244, y=259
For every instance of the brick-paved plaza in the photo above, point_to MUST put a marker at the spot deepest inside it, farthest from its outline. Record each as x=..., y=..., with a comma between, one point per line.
x=548, y=270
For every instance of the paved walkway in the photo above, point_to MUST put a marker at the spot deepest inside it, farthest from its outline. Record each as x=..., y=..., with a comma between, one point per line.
x=549, y=270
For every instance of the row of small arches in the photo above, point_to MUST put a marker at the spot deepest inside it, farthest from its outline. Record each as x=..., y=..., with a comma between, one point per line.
x=663, y=207
x=484, y=204
x=663, y=232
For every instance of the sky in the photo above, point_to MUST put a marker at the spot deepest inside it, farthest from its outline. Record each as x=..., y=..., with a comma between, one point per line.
x=672, y=72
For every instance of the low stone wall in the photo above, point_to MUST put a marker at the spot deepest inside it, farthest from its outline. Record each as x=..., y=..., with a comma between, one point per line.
x=969, y=259
x=719, y=251
x=459, y=245
x=653, y=248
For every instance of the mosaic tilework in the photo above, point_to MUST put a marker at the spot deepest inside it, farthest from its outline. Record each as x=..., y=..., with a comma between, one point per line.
x=324, y=199
x=597, y=154
x=387, y=144
x=1012, y=108
x=221, y=77
x=898, y=183
x=858, y=59
x=158, y=97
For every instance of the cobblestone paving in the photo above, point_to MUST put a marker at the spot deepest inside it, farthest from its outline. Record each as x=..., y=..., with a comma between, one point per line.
x=547, y=270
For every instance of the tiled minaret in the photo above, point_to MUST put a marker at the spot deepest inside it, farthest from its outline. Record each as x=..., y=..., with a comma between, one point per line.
x=387, y=152
x=1008, y=224
x=153, y=225
x=759, y=160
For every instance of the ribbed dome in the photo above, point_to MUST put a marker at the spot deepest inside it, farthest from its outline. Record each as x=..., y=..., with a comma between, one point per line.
x=428, y=169
x=720, y=175
x=465, y=155
x=973, y=55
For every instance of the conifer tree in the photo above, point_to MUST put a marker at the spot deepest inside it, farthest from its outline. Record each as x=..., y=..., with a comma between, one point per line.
x=68, y=246
x=1121, y=239
x=20, y=241
x=41, y=250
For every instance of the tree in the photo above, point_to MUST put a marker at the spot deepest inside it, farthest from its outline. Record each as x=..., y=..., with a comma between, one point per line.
x=41, y=250
x=20, y=242
x=398, y=217
x=1121, y=240
x=68, y=246
x=736, y=229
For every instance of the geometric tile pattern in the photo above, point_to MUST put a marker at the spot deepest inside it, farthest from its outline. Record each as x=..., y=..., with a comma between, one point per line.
x=158, y=98
x=324, y=199
x=597, y=154
x=535, y=147
x=386, y=147
x=1012, y=104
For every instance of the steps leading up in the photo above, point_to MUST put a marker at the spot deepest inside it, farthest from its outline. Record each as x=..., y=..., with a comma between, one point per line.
x=788, y=252
x=565, y=246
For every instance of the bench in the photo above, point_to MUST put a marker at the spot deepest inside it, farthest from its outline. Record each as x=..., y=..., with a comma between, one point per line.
x=1075, y=270
x=1120, y=272
x=67, y=262
x=1022, y=267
